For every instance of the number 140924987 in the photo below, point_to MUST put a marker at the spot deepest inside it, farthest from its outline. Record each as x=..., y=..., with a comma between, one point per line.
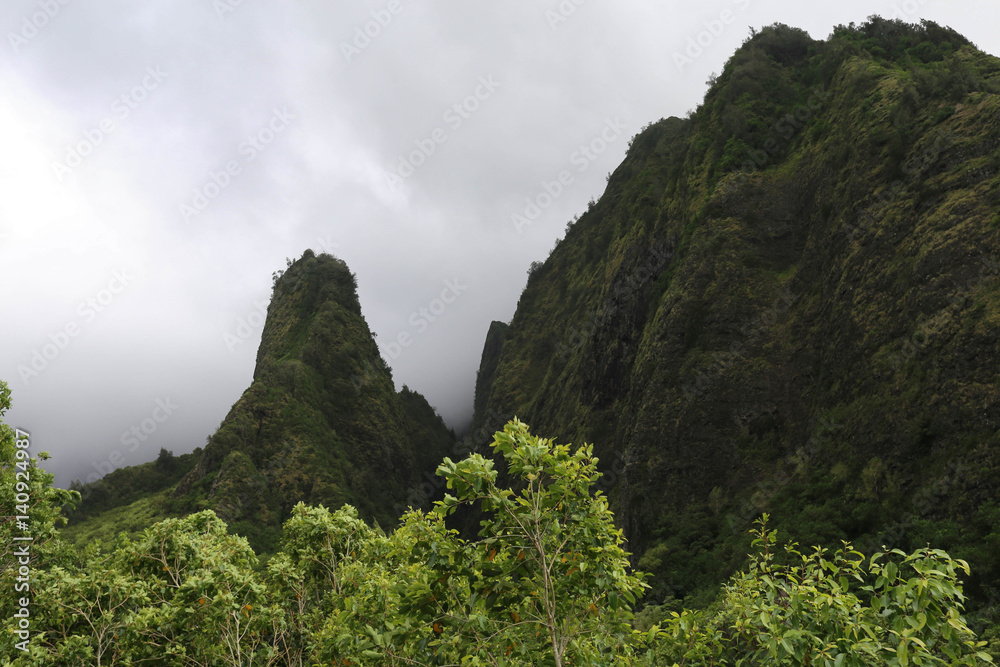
x=21, y=488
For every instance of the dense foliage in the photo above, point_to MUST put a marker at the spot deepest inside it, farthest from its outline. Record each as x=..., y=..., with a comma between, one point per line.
x=783, y=303
x=545, y=582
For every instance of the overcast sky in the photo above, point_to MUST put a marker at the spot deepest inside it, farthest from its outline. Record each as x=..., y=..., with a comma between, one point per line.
x=160, y=159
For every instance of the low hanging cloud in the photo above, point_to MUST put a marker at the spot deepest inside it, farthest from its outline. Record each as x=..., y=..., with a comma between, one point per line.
x=162, y=159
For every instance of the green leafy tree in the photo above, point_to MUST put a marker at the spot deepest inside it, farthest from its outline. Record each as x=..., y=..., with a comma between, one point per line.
x=892, y=609
x=323, y=559
x=86, y=611
x=836, y=609
x=204, y=603
x=20, y=473
x=550, y=558
x=184, y=593
x=546, y=583
x=373, y=622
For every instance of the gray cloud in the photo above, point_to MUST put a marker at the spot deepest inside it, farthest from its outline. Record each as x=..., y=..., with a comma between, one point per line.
x=349, y=109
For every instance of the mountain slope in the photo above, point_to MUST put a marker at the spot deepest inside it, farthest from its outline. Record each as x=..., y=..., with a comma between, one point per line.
x=787, y=302
x=320, y=423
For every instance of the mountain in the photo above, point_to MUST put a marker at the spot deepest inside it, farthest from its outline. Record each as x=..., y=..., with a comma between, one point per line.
x=786, y=302
x=321, y=422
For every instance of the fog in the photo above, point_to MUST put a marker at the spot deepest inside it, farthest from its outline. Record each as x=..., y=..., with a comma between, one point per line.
x=162, y=159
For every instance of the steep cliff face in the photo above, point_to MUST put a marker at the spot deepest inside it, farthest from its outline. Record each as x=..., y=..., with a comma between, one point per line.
x=488, y=365
x=321, y=422
x=787, y=303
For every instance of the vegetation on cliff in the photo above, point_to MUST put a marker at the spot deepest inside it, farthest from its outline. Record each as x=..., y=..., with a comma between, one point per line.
x=782, y=313
x=320, y=423
x=787, y=302
x=545, y=582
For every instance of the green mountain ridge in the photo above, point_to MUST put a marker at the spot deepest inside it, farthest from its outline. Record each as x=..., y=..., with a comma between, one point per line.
x=786, y=303
x=320, y=423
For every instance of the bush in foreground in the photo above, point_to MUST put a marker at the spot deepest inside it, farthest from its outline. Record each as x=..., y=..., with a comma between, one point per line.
x=546, y=582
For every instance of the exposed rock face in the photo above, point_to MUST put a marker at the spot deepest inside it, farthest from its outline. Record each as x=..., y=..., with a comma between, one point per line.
x=321, y=422
x=488, y=366
x=787, y=302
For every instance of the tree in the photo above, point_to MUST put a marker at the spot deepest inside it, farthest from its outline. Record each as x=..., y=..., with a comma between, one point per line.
x=903, y=608
x=185, y=593
x=550, y=558
x=203, y=601
x=165, y=461
x=840, y=609
x=20, y=473
x=86, y=611
x=546, y=583
x=324, y=557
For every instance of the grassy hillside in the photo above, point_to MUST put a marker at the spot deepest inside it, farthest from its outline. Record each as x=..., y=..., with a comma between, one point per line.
x=128, y=499
x=130, y=518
